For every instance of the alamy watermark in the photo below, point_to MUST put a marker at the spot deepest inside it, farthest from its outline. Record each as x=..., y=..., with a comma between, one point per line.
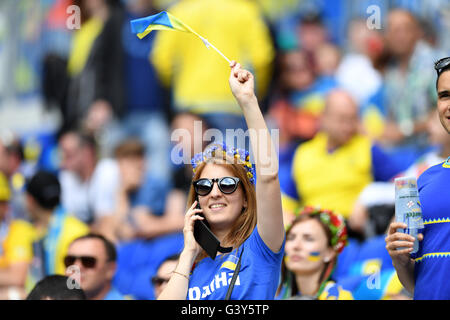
x=73, y=21
x=374, y=280
x=374, y=19
x=74, y=274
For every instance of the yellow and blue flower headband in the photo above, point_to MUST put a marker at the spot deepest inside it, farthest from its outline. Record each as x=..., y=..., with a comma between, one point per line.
x=240, y=156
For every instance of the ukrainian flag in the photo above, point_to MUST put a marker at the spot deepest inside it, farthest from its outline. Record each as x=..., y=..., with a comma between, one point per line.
x=160, y=21
x=314, y=256
x=230, y=263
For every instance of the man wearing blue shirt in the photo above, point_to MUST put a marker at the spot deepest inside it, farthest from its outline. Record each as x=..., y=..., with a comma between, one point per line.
x=425, y=273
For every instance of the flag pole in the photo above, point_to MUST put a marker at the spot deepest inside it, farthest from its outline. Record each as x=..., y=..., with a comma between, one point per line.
x=180, y=26
x=208, y=44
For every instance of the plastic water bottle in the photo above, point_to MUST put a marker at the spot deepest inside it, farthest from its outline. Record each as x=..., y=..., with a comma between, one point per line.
x=407, y=208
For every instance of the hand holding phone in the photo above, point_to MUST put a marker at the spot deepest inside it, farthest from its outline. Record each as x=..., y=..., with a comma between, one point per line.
x=205, y=238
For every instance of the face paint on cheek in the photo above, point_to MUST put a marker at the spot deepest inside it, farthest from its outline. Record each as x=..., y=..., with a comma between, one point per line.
x=286, y=259
x=314, y=256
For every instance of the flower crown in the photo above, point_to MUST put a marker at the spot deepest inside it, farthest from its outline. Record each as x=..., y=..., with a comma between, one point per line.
x=335, y=222
x=240, y=156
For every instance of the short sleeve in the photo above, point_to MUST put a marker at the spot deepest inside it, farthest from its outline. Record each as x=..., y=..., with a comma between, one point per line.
x=256, y=244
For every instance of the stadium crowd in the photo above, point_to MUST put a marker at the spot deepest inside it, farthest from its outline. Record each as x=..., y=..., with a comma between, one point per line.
x=98, y=128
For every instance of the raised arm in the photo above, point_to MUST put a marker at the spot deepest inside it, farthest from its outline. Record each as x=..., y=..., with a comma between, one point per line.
x=268, y=194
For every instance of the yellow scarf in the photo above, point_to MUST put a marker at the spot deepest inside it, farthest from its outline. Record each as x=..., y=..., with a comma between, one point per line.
x=82, y=44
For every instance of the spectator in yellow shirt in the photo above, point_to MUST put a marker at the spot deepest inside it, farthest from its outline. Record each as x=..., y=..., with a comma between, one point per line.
x=333, y=168
x=12, y=268
x=36, y=248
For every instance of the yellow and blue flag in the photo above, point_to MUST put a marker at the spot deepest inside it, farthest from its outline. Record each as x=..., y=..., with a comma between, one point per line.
x=165, y=21
x=160, y=21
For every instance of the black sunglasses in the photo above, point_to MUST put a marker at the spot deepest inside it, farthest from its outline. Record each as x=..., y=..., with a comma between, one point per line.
x=86, y=261
x=226, y=185
x=157, y=281
x=442, y=64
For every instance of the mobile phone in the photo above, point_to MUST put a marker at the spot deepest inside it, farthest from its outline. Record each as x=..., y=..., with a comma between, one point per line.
x=206, y=238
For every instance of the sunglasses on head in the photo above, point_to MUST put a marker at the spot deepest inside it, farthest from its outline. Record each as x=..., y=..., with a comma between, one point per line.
x=442, y=64
x=226, y=185
x=86, y=261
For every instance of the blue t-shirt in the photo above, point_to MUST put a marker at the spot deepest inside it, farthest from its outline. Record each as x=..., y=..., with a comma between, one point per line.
x=432, y=261
x=257, y=280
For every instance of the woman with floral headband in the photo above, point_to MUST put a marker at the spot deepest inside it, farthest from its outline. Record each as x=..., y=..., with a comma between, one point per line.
x=313, y=242
x=242, y=205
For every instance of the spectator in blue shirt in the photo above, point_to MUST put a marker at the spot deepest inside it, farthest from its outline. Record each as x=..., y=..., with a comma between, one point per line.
x=425, y=272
